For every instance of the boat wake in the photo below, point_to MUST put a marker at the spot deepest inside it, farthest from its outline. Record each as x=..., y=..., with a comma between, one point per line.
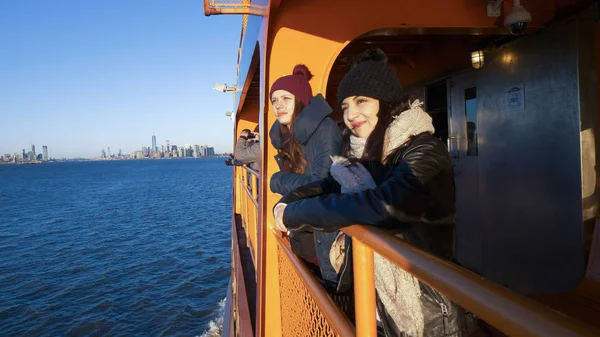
x=215, y=326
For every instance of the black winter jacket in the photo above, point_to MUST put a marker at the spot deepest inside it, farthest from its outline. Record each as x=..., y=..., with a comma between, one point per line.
x=414, y=198
x=320, y=137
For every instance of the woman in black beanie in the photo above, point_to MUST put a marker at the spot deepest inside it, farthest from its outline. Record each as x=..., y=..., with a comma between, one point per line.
x=394, y=174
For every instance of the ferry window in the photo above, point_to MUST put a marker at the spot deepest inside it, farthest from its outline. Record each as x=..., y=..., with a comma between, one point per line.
x=436, y=100
x=471, y=120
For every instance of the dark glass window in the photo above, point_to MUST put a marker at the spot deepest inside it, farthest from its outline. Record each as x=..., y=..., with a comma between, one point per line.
x=471, y=119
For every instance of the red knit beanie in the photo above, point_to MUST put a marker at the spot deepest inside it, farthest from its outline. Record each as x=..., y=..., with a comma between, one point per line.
x=296, y=83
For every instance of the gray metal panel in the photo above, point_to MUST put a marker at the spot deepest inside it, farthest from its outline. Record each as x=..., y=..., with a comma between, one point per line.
x=469, y=232
x=590, y=138
x=529, y=164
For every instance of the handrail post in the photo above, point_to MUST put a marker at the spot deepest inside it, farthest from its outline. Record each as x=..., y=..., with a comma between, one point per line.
x=254, y=187
x=254, y=238
x=364, y=290
x=238, y=189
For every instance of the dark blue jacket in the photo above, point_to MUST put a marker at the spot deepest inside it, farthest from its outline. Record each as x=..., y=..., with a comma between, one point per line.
x=320, y=137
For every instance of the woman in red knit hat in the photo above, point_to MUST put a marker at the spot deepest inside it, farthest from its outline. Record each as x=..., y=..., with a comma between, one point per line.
x=305, y=137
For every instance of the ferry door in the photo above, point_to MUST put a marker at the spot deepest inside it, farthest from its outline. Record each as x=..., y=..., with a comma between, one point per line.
x=463, y=148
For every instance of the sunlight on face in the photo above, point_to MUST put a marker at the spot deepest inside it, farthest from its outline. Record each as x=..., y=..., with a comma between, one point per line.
x=360, y=115
x=283, y=104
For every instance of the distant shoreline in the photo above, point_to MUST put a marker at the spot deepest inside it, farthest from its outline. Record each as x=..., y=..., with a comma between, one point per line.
x=107, y=159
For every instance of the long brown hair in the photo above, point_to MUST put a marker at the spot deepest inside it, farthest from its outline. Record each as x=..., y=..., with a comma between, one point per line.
x=375, y=141
x=291, y=149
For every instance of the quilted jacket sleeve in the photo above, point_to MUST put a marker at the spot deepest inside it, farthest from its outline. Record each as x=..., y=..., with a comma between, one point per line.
x=327, y=142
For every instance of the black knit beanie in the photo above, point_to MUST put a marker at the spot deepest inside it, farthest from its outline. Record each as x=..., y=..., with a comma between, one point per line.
x=370, y=76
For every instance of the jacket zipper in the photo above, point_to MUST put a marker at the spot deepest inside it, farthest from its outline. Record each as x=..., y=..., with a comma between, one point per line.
x=443, y=307
x=445, y=316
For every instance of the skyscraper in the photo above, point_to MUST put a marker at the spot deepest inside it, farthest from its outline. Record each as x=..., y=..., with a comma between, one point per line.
x=154, y=148
x=45, y=153
x=33, y=149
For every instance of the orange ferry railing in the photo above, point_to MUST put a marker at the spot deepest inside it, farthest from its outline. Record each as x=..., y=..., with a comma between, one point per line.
x=508, y=311
x=247, y=201
x=305, y=309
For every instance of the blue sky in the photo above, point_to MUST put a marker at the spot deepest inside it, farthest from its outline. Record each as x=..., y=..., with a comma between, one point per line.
x=79, y=76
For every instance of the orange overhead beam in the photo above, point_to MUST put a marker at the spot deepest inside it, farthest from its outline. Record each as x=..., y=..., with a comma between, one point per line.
x=341, y=20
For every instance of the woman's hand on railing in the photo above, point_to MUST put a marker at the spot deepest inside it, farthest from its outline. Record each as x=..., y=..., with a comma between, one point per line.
x=278, y=215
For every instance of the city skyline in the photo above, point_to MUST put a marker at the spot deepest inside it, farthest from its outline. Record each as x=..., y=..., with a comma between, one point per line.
x=82, y=76
x=154, y=139
x=167, y=150
x=155, y=146
x=25, y=156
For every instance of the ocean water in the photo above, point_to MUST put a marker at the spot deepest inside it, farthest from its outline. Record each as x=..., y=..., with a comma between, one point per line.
x=118, y=248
